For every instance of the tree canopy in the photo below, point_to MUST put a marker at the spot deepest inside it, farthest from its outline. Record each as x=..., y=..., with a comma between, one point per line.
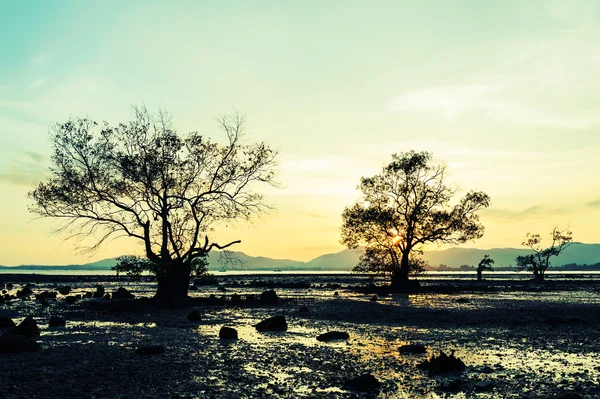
x=146, y=181
x=408, y=204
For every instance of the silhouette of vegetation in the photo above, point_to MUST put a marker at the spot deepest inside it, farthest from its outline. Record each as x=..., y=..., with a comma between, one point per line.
x=406, y=205
x=485, y=264
x=135, y=266
x=146, y=181
x=539, y=261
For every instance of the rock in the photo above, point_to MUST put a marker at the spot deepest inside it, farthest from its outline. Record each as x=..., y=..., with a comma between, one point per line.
x=303, y=309
x=236, y=299
x=336, y=294
x=275, y=323
x=333, y=336
x=151, y=350
x=413, y=348
x=27, y=328
x=194, y=316
x=222, y=289
x=57, y=321
x=193, y=288
x=99, y=291
x=9, y=286
x=18, y=344
x=89, y=294
x=269, y=297
x=64, y=290
x=442, y=364
x=483, y=386
x=6, y=322
x=106, y=296
x=365, y=382
x=71, y=299
x=487, y=370
x=228, y=333
x=374, y=298
x=250, y=298
x=26, y=291
x=122, y=293
x=454, y=385
x=462, y=300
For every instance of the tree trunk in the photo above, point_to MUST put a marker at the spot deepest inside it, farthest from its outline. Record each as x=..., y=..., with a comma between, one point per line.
x=538, y=275
x=479, y=276
x=400, y=275
x=173, y=286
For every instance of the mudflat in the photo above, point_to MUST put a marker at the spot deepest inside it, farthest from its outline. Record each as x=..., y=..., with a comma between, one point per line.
x=517, y=339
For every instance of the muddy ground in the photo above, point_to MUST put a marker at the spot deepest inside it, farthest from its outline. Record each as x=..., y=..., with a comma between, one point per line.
x=517, y=339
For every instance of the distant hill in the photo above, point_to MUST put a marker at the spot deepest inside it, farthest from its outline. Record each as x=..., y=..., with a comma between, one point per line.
x=579, y=253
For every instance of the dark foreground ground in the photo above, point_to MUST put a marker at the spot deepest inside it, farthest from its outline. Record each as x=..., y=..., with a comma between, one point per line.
x=518, y=340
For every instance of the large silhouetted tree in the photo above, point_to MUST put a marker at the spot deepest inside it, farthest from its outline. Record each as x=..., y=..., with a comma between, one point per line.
x=145, y=180
x=408, y=204
x=539, y=261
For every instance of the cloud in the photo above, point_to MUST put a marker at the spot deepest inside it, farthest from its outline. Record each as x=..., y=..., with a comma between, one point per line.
x=537, y=211
x=37, y=83
x=25, y=172
x=450, y=101
x=594, y=204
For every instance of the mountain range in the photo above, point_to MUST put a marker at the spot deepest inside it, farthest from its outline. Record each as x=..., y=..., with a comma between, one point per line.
x=578, y=253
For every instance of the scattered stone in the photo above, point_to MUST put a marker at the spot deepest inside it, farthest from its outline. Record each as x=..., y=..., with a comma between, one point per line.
x=70, y=299
x=275, y=323
x=122, y=293
x=333, y=336
x=303, y=309
x=236, y=299
x=222, y=289
x=9, y=286
x=99, y=291
x=18, y=344
x=228, y=333
x=151, y=350
x=27, y=328
x=57, y=321
x=89, y=294
x=336, y=294
x=64, y=290
x=26, y=291
x=483, y=386
x=487, y=370
x=107, y=296
x=462, y=300
x=269, y=298
x=194, y=316
x=413, y=348
x=374, y=298
x=442, y=364
x=6, y=322
x=363, y=383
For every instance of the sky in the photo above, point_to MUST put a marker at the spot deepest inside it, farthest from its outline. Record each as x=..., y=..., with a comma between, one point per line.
x=505, y=93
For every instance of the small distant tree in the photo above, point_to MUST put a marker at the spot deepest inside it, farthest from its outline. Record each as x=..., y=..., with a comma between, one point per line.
x=135, y=266
x=405, y=206
x=539, y=261
x=485, y=264
x=129, y=265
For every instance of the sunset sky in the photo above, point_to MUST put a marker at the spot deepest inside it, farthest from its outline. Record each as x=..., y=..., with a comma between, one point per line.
x=506, y=93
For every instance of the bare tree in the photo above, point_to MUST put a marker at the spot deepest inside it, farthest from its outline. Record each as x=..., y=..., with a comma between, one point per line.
x=146, y=181
x=404, y=207
x=539, y=261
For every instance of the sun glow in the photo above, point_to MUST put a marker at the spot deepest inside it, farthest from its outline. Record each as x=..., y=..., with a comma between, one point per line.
x=396, y=239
